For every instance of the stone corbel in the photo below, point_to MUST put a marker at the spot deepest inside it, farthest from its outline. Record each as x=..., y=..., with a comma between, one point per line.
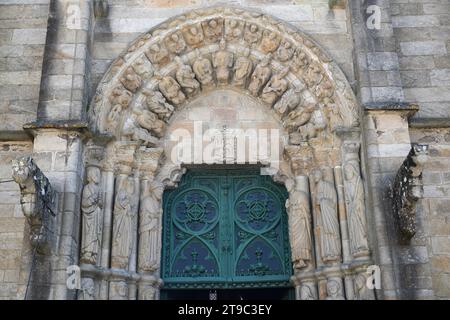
x=38, y=201
x=408, y=188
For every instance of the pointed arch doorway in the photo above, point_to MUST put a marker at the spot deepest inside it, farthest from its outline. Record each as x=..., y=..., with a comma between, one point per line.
x=225, y=236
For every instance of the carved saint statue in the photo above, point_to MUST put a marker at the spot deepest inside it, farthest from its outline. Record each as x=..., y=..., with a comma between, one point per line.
x=193, y=36
x=299, y=62
x=203, y=70
x=276, y=87
x=131, y=80
x=175, y=43
x=148, y=120
x=171, y=90
x=150, y=217
x=285, y=51
x=260, y=75
x=299, y=225
x=157, y=104
x=186, y=78
x=124, y=222
x=252, y=35
x=158, y=55
x=299, y=117
x=233, y=30
x=326, y=201
x=270, y=41
x=91, y=208
x=289, y=101
x=222, y=61
x=354, y=195
x=120, y=99
x=242, y=70
x=334, y=290
x=213, y=30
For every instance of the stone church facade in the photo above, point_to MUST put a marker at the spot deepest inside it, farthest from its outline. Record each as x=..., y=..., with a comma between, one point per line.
x=121, y=174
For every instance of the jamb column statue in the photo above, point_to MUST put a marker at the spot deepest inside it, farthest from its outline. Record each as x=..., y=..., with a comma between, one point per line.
x=150, y=215
x=354, y=196
x=124, y=219
x=92, y=204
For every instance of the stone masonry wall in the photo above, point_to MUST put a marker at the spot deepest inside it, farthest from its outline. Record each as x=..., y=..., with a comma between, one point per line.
x=23, y=30
x=434, y=209
x=11, y=219
x=422, y=30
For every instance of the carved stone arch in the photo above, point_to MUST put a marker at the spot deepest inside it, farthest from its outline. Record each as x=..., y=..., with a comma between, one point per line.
x=194, y=54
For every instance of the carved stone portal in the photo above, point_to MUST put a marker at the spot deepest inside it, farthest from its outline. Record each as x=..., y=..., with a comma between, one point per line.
x=289, y=77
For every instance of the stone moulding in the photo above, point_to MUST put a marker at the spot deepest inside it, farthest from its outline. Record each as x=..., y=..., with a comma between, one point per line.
x=38, y=201
x=200, y=51
x=408, y=189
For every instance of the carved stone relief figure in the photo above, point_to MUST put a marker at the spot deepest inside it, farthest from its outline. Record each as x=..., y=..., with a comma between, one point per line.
x=171, y=90
x=120, y=99
x=299, y=225
x=91, y=208
x=285, y=51
x=157, y=104
x=175, y=43
x=260, y=75
x=149, y=293
x=132, y=129
x=300, y=62
x=326, y=200
x=158, y=55
x=270, y=41
x=150, y=215
x=203, y=70
x=143, y=68
x=362, y=292
x=131, y=80
x=289, y=101
x=252, y=35
x=306, y=293
x=148, y=120
x=124, y=222
x=234, y=30
x=213, y=30
x=242, y=70
x=186, y=78
x=276, y=87
x=325, y=91
x=354, y=196
x=297, y=119
x=314, y=75
x=334, y=290
x=193, y=36
x=222, y=61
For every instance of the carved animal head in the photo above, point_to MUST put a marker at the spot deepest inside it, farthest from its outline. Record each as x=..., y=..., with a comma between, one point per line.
x=22, y=170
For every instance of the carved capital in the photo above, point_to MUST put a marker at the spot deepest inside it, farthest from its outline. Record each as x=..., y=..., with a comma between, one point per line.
x=148, y=159
x=300, y=157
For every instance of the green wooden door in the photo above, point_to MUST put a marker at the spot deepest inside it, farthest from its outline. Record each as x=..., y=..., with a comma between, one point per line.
x=225, y=229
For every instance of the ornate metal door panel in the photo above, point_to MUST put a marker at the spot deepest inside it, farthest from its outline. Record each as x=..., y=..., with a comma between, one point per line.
x=225, y=229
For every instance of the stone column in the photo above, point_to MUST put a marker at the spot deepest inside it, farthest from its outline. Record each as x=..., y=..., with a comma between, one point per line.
x=150, y=215
x=342, y=214
x=108, y=189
